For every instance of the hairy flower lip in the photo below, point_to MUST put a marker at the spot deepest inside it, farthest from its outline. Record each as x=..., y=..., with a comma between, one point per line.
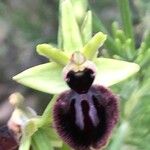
x=70, y=128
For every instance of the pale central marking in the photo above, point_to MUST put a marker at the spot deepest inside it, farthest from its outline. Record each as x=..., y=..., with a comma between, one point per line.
x=79, y=118
x=79, y=114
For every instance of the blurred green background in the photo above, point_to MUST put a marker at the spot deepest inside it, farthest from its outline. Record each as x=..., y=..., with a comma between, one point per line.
x=24, y=24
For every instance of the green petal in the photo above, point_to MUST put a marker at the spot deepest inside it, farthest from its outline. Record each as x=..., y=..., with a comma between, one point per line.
x=91, y=48
x=53, y=53
x=111, y=71
x=72, y=40
x=46, y=78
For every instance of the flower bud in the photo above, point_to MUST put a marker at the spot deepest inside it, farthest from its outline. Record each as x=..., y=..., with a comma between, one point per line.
x=21, y=115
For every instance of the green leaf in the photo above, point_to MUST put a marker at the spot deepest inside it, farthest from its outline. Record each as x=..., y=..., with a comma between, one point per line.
x=46, y=78
x=111, y=71
x=65, y=147
x=53, y=53
x=86, y=28
x=40, y=141
x=72, y=40
x=52, y=136
x=91, y=48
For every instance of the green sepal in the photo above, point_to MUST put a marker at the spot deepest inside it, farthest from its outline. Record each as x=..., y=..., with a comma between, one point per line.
x=79, y=9
x=52, y=53
x=112, y=71
x=72, y=40
x=86, y=28
x=91, y=48
x=46, y=78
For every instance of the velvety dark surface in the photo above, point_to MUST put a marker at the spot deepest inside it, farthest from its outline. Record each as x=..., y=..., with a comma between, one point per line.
x=80, y=81
x=106, y=106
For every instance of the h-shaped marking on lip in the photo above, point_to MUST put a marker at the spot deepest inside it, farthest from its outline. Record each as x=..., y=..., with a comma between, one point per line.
x=79, y=118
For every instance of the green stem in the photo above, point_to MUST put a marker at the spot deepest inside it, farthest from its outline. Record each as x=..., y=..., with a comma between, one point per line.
x=47, y=114
x=126, y=20
x=25, y=143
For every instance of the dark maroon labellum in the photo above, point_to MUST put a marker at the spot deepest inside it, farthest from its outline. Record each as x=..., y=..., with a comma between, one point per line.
x=85, y=121
x=7, y=140
x=80, y=81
